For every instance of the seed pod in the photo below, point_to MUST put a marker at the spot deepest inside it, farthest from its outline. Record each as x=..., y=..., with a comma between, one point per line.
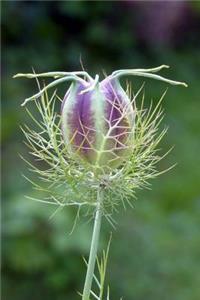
x=97, y=118
x=97, y=124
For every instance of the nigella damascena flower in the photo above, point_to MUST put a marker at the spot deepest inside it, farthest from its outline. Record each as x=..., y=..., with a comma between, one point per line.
x=97, y=117
x=98, y=122
x=100, y=127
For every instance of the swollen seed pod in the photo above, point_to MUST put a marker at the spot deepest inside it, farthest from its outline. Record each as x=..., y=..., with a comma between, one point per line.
x=97, y=118
x=97, y=123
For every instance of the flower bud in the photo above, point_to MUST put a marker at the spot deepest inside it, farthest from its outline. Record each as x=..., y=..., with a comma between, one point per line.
x=97, y=124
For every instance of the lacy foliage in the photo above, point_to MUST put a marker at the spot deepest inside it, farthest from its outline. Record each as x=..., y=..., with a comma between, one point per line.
x=65, y=180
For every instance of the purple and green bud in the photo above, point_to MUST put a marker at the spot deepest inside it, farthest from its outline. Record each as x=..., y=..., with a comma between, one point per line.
x=97, y=124
x=97, y=117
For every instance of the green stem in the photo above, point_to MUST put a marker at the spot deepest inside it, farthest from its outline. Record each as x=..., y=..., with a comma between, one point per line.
x=93, y=247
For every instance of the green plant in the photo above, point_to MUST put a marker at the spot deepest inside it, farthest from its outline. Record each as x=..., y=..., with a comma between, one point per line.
x=97, y=151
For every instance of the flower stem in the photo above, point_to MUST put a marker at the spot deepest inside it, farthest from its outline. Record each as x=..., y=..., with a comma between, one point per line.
x=93, y=247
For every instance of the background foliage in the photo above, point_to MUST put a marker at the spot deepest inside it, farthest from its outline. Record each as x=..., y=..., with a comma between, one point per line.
x=155, y=250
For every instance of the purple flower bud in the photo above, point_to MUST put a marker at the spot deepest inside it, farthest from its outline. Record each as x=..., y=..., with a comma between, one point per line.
x=97, y=124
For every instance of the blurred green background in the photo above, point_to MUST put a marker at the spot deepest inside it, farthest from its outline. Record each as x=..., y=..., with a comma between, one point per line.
x=155, y=251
